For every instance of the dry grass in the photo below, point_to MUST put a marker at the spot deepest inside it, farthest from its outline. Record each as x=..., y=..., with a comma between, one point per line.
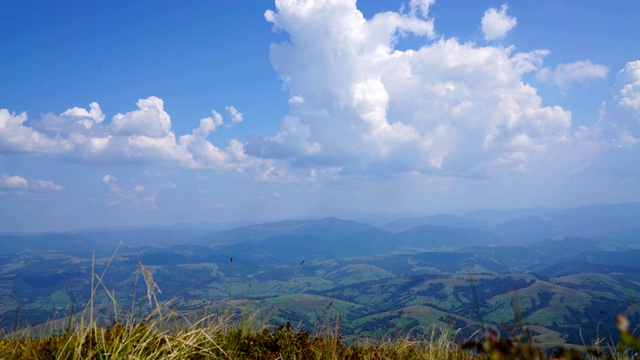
x=208, y=340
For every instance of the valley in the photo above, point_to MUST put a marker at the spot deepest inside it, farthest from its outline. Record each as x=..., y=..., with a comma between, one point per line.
x=544, y=273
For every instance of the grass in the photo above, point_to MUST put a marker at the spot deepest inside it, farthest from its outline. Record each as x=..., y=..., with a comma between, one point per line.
x=170, y=336
x=217, y=338
x=150, y=329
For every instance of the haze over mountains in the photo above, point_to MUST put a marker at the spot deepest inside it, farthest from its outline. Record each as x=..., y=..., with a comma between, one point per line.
x=558, y=267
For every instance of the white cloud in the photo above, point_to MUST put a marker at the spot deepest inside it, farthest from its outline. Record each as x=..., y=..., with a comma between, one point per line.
x=618, y=124
x=18, y=183
x=629, y=81
x=623, y=116
x=312, y=175
x=296, y=100
x=150, y=120
x=147, y=202
x=169, y=185
x=291, y=141
x=579, y=71
x=607, y=145
x=495, y=24
x=44, y=185
x=17, y=138
x=90, y=117
x=236, y=116
x=209, y=124
x=275, y=175
x=139, y=136
x=445, y=108
x=109, y=178
x=14, y=182
x=217, y=118
x=136, y=196
x=625, y=138
x=203, y=153
x=420, y=7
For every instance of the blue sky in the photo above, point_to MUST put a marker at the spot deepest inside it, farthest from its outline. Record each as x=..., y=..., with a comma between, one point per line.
x=160, y=112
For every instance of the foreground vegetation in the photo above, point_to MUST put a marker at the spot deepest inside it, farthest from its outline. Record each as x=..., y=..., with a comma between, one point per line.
x=215, y=340
x=170, y=336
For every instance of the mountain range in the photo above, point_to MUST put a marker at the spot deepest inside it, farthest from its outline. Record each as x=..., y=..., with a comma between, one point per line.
x=565, y=272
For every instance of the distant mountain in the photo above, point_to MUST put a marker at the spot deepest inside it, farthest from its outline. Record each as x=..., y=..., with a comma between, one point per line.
x=554, y=250
x=539, y=255
x=332, y=238
x=490, y=218
x=627, y=258
x=329, y=228
x=408, y=223
x=586, y=221
x=529, y=229
x=430, y=237
x=573, y=268
x=145, y=236
x=602, y=219
x=513, y=258
x=285, y=248
x=293, y=247
x=620, y=210
x=39, y=243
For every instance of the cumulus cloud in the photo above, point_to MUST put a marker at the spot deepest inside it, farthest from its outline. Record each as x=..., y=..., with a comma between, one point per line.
x=143, y=135
x=579, y=71
x=292, y=141
x=86, y=117
x=629, y=82
x=203, y=154
x=150, y=120
x=495, y=24
x=209, y=124
x=17, y=138
x=359, y=104
x=18, y=183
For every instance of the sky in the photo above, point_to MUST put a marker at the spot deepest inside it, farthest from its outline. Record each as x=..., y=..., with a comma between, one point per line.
x=117, y=113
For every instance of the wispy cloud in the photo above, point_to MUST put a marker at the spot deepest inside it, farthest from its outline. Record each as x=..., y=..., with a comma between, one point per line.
x=136, y=195
x=579, y=71
x=236, y=116
x=20, y=184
